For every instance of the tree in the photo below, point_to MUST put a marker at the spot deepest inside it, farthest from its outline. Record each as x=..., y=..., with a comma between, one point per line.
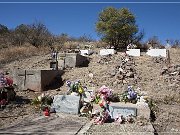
x=154, y=42
x=3, y=29
x=37, y=34
x=19, y=35
x=174, y=43
x=4, y=36
x=118, y=27
x=85, y=38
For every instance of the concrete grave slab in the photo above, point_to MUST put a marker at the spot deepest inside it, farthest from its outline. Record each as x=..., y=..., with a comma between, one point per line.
x=133, y=52
x=66, y=104
x=106, y=51
x=37, y=80
x=72, y=60
x=125, y=111
x=85, y=52
x=60, y=124
x=156, y=52
x=129, y=108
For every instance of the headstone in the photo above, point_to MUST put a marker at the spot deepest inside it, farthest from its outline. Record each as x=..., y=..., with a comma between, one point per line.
x=106, y=51
x=133, y=52
x=125, y=111
x=72, y=60
x=157, y=52
x=66, y=104
x=37, y=80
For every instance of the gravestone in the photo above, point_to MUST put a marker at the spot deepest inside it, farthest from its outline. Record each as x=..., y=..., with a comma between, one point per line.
x=37, y=80
x=72, y=60
x=106, y=52
x=156, y=52
x=66, y=104
x=133, y=52
x=125, y=111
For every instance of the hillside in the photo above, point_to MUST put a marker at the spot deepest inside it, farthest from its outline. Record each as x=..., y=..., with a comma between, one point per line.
x=147, y=75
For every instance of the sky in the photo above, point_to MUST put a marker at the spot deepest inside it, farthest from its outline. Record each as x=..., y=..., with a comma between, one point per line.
x=157, y=18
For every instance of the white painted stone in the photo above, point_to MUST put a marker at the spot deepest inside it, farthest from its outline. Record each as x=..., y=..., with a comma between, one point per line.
x=156, y=52
x=84, y=52
x=106, y=51
x=133, y=52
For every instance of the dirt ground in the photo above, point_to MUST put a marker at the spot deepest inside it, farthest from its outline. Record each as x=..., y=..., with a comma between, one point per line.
x=166, y=112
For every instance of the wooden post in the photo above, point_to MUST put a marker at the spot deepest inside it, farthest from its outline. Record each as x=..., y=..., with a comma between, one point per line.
x=168, y=58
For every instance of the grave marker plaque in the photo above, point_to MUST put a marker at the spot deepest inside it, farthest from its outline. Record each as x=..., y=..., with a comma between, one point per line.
x=125, y=111
x=66, y=104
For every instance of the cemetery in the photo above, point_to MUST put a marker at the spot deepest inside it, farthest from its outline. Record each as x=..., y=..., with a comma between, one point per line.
x=71, y=89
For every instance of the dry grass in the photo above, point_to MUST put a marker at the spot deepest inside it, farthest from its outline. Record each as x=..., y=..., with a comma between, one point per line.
x=19, y=52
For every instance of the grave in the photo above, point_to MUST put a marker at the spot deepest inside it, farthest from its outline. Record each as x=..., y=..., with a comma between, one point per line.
x=156, y=52
x=37, y=80
x=133, y=52
x=72, y=60
x=106, y=51
x=86, y=52
x=126, y=109
x=66, y=104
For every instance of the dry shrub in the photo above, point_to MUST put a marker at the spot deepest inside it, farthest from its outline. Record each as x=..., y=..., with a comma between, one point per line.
x=20, y=52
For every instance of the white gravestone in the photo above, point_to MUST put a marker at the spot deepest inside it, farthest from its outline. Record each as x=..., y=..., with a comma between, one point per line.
x=156, y=52
x=106, y=51
x=133, y=52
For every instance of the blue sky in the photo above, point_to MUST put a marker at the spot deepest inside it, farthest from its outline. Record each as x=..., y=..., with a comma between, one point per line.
x=76, y=19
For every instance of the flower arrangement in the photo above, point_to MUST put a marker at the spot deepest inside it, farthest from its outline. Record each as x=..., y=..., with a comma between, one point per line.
x=129, y=95
x=75, y=87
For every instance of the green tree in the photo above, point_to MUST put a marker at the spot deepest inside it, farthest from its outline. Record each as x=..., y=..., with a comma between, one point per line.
x=118, y=27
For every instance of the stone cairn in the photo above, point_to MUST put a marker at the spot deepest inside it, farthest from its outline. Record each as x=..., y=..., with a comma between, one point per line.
x=121, y=70
x=124, y=72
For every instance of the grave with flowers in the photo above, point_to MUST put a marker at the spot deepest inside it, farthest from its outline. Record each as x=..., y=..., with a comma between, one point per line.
x=7, y=92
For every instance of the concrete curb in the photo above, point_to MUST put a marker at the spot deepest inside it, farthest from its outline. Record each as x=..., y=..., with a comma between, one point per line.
x=85, y=128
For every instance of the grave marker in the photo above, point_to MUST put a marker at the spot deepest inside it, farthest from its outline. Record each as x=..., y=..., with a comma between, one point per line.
x=66, y=104
x=125, y=111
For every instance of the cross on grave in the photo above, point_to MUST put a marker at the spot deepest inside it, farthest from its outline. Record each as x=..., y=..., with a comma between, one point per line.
x=25, y=74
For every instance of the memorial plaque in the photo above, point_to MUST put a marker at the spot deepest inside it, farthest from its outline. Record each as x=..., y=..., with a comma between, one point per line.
x=125, y=111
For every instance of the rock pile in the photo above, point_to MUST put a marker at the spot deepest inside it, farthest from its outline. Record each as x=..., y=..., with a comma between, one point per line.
x=159, y=60
x=105, y=59
x=171, y=75
x=124, y=71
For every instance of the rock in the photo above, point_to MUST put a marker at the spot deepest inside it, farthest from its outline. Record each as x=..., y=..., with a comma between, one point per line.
x=164, y=70
x=119, y=77
x=91, y=75
x=87, y=97
x=113, y=73
x=124, y=82
x=66, y=104
x=130, y=74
